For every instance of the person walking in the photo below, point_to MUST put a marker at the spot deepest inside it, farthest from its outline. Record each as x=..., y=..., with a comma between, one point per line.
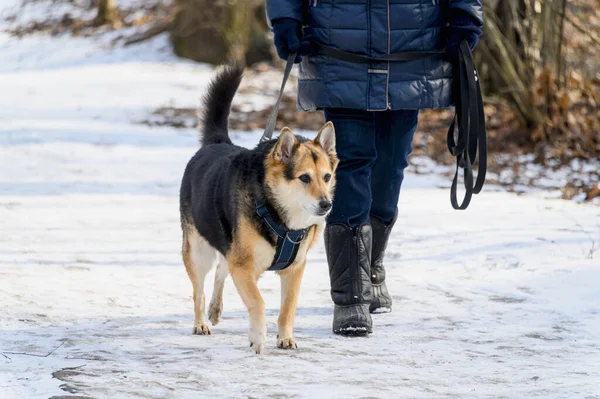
x=374, y=108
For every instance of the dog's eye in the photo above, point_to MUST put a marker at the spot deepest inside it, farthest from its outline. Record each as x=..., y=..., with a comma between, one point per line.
x=327, y=177
x=304, y=178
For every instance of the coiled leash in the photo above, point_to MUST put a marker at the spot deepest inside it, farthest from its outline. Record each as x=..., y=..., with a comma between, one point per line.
x=470, y=121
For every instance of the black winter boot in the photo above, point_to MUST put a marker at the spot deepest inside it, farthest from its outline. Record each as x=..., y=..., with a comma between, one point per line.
x=349, y=258
x=382, y=301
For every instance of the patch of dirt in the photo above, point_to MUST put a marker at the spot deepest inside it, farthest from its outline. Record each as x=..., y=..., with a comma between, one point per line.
x=66, y=372
x=288, y=116
x=182, y=118
x=66, y=376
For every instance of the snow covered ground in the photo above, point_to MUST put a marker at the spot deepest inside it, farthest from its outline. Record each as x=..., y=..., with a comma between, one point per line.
x=499, y=301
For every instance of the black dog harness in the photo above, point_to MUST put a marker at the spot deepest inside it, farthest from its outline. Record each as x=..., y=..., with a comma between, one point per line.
x=288, y=241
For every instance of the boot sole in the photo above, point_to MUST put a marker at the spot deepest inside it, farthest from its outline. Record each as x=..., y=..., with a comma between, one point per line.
x=382, y=309
x=353, y=331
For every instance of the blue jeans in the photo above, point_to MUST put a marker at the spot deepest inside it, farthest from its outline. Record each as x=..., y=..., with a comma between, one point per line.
x=373, y=149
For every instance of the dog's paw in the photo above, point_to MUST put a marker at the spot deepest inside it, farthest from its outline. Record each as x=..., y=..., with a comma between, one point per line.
x=214, y=313
x=287, y=343
x=201, y=329
x=257, y=337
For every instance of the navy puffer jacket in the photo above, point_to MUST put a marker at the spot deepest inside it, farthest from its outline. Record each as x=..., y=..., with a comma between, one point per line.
x=375, y=28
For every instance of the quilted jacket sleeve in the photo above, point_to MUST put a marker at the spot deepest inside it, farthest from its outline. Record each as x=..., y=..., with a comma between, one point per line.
x=474, y=8
x=284, y=9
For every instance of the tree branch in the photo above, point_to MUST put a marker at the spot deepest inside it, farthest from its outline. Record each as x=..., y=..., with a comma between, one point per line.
x=578, y=25
x=34, y=354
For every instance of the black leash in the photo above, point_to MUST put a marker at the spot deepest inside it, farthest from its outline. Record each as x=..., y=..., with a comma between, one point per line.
x=469, y=119
x=268, y=133
x=468, y=122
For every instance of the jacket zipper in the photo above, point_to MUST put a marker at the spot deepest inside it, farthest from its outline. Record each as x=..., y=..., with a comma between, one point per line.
x=387, y=82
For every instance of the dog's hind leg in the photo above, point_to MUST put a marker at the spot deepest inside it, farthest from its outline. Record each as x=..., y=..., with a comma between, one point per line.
x=290, y=287
x=215, y=309
x=198, y=257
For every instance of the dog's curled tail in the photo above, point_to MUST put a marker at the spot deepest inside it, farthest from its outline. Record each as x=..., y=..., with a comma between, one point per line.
x=217, y=103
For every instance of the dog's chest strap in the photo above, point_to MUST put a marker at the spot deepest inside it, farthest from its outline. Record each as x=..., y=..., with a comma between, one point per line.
x=288, y=241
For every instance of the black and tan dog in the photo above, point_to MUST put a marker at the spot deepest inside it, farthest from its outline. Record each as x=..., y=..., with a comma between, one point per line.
x=290, y=177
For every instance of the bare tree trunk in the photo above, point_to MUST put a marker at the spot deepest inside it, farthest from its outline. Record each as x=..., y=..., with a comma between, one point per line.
x=107, y=12
x=559, y=54
x=220, y=32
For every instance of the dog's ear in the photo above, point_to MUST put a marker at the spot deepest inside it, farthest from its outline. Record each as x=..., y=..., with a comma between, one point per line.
x=326, y=137
x=285, y=145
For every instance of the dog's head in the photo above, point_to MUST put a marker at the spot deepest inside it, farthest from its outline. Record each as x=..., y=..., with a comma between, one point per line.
x=300, y=175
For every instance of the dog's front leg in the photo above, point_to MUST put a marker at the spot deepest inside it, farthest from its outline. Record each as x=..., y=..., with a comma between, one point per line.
x=245, y=282
x=290, y=288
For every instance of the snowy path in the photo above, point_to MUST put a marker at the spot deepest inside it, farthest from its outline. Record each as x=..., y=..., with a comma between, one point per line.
x=511, y=311
x=498, y=301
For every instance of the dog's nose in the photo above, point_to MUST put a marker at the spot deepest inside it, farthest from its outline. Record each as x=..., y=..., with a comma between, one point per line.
x=324, y=205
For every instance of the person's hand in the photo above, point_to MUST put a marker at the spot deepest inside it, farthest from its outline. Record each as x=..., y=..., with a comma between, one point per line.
x=462, y=27
x=288, y=39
